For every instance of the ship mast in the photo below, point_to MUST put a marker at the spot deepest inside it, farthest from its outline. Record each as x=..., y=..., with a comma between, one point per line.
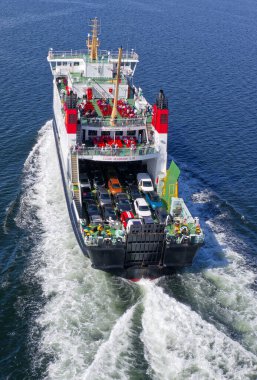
x=93, y=43
x=114, y=109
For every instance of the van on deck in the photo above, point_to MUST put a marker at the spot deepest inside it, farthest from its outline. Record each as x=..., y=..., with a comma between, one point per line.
x=144, y=182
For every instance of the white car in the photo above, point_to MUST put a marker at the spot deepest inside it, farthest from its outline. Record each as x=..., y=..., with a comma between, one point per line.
x=133, y=223
x=141, y=208
x=144, y=182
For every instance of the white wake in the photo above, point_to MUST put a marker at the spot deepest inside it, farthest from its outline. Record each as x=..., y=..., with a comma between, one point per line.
x=79, y=322
x=179, y=344
x=87, y=327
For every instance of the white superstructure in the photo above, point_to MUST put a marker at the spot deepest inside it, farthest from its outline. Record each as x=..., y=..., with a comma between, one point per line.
x=93, y=83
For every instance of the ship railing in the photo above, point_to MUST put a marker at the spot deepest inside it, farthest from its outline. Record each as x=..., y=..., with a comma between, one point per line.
x=83, y=53
x=52, y=54
x=141, y=150
x=126, y=55
x=107, y=122
x=77, y=78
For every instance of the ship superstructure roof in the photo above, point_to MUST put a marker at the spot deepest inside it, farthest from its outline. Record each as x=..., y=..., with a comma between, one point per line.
x=94, y=82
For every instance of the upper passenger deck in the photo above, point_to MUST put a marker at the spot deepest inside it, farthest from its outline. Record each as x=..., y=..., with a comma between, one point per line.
x=95, y=92
x=101, y=81
x=95, y=101
x=80, y=62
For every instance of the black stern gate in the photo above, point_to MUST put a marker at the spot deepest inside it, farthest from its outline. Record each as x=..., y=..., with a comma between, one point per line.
x=145, y=245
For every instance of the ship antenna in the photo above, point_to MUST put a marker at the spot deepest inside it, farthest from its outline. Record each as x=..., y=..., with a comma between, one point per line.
x=93, y=43
x=114, y=108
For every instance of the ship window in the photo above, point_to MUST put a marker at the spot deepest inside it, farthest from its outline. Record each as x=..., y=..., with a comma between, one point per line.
x=119, y=133
x=92, y=133
x=147, y=184
x=76, y=63
x=59, y=63
x=143, y=208
x=105, y=133
x=64, y=63
x=131, y=133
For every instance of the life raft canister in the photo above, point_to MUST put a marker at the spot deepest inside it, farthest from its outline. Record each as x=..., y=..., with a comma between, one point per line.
x=198, y=230
x=177, y=231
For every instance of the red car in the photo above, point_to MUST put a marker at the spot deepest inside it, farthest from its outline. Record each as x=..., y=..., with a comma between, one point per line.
x=125, y=217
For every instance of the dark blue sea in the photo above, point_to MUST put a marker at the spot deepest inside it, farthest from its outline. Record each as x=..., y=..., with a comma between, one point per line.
x=59, y=318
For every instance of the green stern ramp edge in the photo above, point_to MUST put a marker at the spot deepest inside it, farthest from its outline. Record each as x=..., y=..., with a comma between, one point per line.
x=169, y=184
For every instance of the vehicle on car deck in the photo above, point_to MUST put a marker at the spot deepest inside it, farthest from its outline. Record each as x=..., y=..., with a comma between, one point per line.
x=133, y=223
x=93, y=213
x=148, y=220
x=125, y=217
x=109, y=214
x=120, y=197
x=86, y=194
x=84, y=180
x=141, y=208
x=161, y=215
x=114, y=186
x=133, y=192
x=153, y=199
x=144, y=182
x=98, y=181
x=95, y=219
x=103, y=196
x=123, y=205
x=130, y=179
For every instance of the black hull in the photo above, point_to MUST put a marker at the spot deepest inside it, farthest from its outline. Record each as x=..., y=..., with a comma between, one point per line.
x=113, y=260
x=117, y=260
x=69, y=201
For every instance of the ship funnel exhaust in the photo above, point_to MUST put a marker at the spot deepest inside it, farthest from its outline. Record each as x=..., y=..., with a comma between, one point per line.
x=161, y=101
x=161, y=114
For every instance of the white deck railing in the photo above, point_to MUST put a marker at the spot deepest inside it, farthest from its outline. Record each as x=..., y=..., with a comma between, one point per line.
x=102, y=54
x=116, y=154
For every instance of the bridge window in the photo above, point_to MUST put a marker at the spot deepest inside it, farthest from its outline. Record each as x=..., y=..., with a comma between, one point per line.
x=131, y=133
x=92, y=133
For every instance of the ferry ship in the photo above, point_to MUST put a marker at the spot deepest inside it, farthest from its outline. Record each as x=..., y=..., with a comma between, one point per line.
x=111, y=142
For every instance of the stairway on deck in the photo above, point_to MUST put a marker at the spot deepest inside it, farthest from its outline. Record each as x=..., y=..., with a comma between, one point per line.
x=75, y=182
x=101, y=91
x=96, y=107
